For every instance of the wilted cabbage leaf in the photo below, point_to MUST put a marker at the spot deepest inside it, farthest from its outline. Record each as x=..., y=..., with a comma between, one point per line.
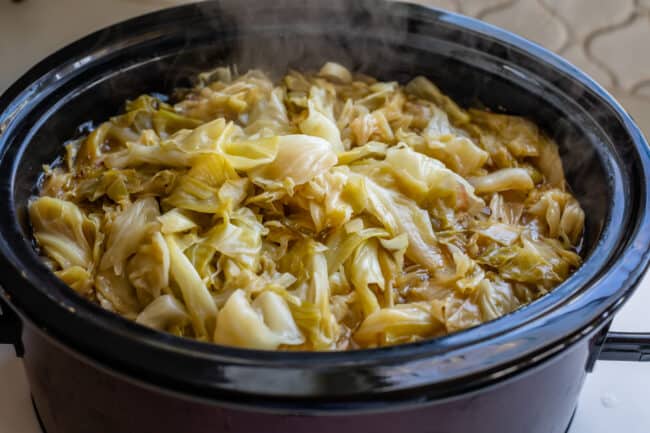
x=164, y=313
x=148, y=269
x=195, y=294
x=399, y=324
x=127, y=231
x=266, y=323
x=320, y=119
x=299, y=159
x=61, y=230
x=325, y=211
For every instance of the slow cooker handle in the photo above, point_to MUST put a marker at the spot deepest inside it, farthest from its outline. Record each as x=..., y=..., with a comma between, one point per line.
x=10, y=328
x=626, y=346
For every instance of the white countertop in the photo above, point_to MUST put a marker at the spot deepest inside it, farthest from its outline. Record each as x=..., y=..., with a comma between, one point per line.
x=615, y=397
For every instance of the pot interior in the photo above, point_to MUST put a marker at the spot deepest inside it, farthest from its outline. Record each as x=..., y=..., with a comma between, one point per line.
x=475, y=64
x=470, y=76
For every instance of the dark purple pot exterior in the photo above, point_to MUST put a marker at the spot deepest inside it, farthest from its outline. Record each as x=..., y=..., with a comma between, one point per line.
x=93, y=372
x=74, y=396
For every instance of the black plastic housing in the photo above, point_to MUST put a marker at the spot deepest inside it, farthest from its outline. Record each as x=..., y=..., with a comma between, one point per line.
x=606, y=159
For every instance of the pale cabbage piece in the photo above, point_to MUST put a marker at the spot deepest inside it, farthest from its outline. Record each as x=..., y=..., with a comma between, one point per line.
x=196, y=296
x=361, y=127
x=320, y=121
x=149, y=149
x=78, y=278
x=496, y=298
x=222, y=74
x=398, y=324
x=236, y=276
x=265, y=324
x=425, y=89
x=277, y=316
x=469, y=283
x=179, y=150
x=127, y=231
x=269, y=117
x=506, y=179
x=230, y=98
x=461, y=265
x=502, y=211
x=326, y=199
x=540, y=262
x=460, y=313
x=318, y=293
x=365, y=272
x=202, y=255
x=198, y=190
x=520, y=136
x=307, y=261
x=371, y=126
x=117, y=290
x=341, y=245
x=233, y=193
x=248, y=154
x=148, y=269
x=89, y=150
x=146, y=113
x=205, y=138
x=329, y=211
x=378, y=94
x=61, y=230
x=175, y=221
x=370, y=149
x=187, y=239
x=451, y=145
x=335, y=72
x=400, y=215
x=98, y=245
x=300, y=158
x=572, y=223
x=116, y=184
x=397, y=246
x=57, y=183
x=239, y=237
x=163, y=313
x=505, y=234
x=562, y=215
x=423, y=177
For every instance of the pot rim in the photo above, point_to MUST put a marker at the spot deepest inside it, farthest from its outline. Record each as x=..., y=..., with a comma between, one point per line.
x=591, y=294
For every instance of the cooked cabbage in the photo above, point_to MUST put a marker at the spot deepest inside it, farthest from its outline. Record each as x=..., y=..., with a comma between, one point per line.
x=126, y=232
x=327, y=211
x=266, y=323
x=164, y=313
x=194, y=292
x=60, y=228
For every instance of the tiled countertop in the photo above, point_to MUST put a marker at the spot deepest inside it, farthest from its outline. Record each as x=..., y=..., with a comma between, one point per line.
x=607, y=38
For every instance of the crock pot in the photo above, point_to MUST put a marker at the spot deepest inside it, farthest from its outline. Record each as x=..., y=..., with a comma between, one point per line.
x=92, y=371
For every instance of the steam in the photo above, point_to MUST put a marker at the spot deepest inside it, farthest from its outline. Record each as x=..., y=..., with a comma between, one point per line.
x=395, y=42
x=280, y=35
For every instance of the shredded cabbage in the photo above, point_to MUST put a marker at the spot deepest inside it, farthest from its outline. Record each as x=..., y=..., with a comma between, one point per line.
x=326, y=211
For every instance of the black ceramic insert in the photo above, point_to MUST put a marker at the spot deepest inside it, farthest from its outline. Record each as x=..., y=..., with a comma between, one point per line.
x=540, y=352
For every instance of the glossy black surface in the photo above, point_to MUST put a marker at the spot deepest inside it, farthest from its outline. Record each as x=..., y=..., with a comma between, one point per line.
x=606, y=161
x=626, y=346
x=10, y=328
x=540, y=400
